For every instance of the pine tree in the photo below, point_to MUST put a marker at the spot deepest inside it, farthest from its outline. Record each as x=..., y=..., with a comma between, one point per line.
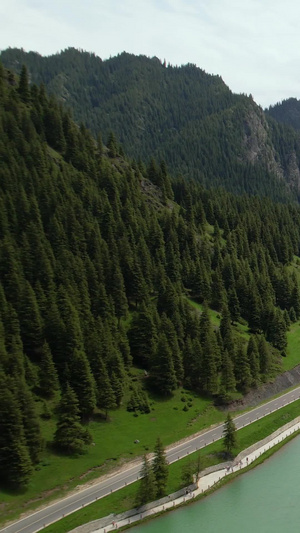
x=226, y=331
x=173, y=266
x=234, y=306
x=242, y=369
x=15, y=362
x=112, y=145
x=167, y=300
x=166, y=181
x=105, y=395
x=48, y=383
x=53, y=128
x=123, y=345
x=168, y=328
x=133, y=404
x=265, y=358
x=227, y=273
x=10, y=269
x=286, y=318
x=198, y=467
x=118, y=387
x=147, y=486
x=15, y=463
x=31, y=323
x=144, y=403
x=82, y=382
x=276, y=330
x=295, y=299
x=66, y=328
x=99, y=146
x=163, y=377
x=138, y=288
x=218, y=294
x=254, y=309
x=118, y=293
x=253, y=358
x=160, y=469
x=3, y=351
x=142, y=337
x=23, y=88
x=145, y=262
x=210, y=354
x=293, y=316
x=192, y=354
x=229, y=434
x=31, y=425
x=228, y=382
x=187, y=474
x=209, y=375
x=70, y=436
x=153, y=173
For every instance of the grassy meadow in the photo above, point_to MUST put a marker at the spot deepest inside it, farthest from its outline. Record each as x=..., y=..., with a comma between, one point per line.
x=125, y=498
x=113, y=441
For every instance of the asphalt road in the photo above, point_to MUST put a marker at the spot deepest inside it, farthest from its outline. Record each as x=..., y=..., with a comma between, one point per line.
x=56, y=511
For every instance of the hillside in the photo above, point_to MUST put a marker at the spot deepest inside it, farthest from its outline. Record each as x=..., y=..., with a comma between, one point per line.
x=182, y=115
x=127, y=299
x=286, y=112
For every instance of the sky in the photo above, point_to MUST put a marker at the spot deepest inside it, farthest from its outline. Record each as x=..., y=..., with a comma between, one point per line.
x=253, y=44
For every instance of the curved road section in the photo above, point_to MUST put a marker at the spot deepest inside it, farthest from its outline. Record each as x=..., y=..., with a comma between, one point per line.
x=70, y=504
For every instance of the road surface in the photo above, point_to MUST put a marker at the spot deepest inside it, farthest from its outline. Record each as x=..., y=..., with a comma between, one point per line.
x=56, y=511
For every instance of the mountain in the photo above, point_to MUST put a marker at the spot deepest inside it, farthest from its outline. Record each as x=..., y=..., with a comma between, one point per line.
x=181, y=115
x=286, y=112
x=102, y=264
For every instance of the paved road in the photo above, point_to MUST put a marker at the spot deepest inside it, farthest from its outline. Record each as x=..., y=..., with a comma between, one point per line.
x=56, y=511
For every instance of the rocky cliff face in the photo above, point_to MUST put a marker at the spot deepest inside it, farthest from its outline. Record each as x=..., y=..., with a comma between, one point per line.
x=259, y=148
x=255, y=137
x=293, y=172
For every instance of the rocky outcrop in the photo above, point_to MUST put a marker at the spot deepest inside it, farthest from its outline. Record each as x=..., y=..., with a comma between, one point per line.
x=256, y=140
x=288, y=379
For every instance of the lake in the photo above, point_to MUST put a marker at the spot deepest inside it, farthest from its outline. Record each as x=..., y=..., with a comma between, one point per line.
x=264, y=500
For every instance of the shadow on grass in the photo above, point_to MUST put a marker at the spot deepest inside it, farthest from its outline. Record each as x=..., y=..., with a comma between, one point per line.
x=61, y=453
x=100, y=417
x=156, y=397
x=12, y=491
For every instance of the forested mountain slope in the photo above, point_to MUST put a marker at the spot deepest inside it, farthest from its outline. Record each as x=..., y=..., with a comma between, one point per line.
x=180, y=114
x=98, y=256
x=286, y=112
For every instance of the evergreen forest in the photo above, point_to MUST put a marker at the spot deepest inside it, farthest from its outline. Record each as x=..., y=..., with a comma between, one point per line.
x=286, y=112
x=180, y=114
x=110, y=263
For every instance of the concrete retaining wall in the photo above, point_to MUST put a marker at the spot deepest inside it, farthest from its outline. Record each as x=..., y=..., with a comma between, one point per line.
x=107, y=520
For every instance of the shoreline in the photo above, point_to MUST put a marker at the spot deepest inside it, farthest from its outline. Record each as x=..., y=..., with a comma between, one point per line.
x=211, y=479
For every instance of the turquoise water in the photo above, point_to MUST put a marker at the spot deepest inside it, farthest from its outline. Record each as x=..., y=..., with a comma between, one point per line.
x=264, y=500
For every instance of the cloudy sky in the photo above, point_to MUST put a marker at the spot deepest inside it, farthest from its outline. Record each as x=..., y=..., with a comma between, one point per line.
x=253, y=44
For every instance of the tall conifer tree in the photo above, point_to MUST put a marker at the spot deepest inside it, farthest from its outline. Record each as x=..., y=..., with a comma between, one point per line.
x=70, y=436
x=15, y=463
x=160, y=469
x=147, y=486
